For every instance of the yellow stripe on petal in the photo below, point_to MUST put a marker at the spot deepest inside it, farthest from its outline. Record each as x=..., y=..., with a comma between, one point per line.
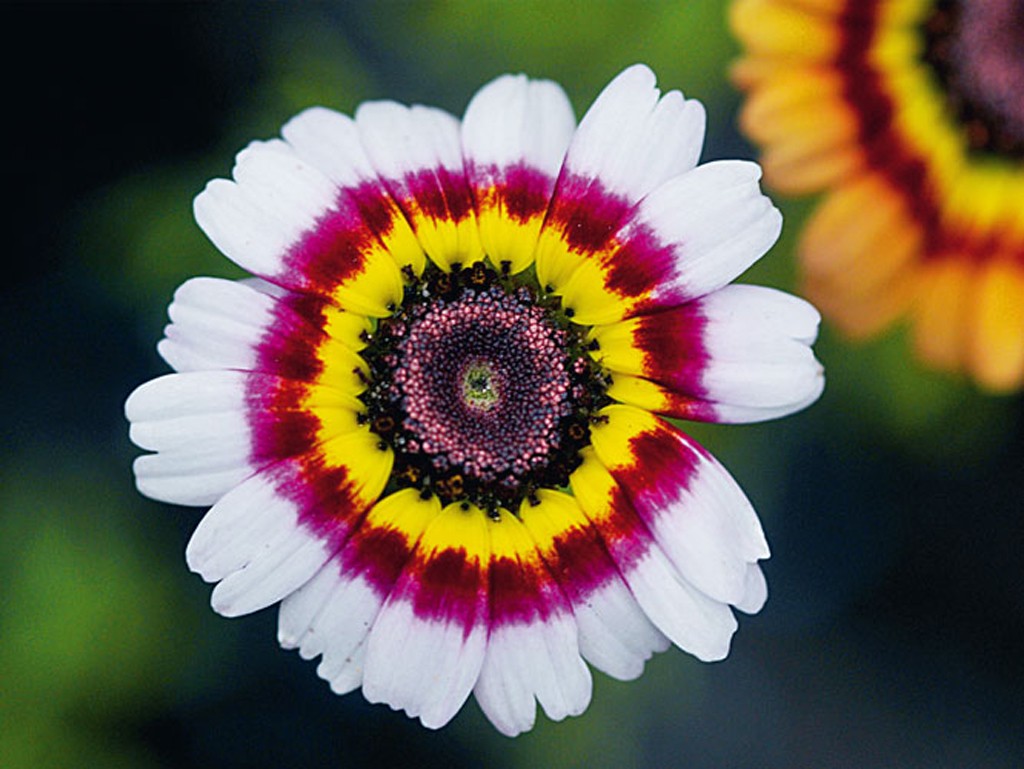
x=405, y=512
x=401, y=242
x=505, y=237
x=458, y=527
x=337, y=413
x=614, y=435
x=589, y=297
x=445, y=240
x=556, y=517
x=646, y=395
x=996, y=346
x=594, y=488
x=510, y=539
x=360, y=454
x=556, y=261
x=617, y=349
x=376, y=289
x=343, y=368
x=346, y=327
x=605, y=506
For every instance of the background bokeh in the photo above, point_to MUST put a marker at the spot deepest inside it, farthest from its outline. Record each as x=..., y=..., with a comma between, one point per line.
x=894, y=634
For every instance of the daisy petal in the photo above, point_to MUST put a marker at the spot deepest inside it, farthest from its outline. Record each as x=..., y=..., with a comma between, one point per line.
x=634, y=138
x=427, y=645
x=691, y=236
x=755, y=592
x=514, y=137
x=417, y=153
x=196, y=422
x=631, y=140
x=615, y=635
x=533, y=649
x=692, y=507
x=330, y=141
x=333, y=613
x=285, y=221
x=692, y=620
x=253, y=543
x=741, y=351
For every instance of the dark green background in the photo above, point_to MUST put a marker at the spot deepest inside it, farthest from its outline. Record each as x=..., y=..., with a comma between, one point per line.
x=894, y=633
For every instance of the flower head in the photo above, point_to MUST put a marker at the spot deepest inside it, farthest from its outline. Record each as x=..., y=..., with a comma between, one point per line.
x=429, y=427
x=909, y=113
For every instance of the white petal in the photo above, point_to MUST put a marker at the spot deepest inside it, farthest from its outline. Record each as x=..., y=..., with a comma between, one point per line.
x=197, y=424
x=514, y=120
x=329, y=141
x=216, y=324
x=616, y=636
x=331, y=615
x=253, y=542
x=633, y=139
x=418, y=155
x=171, y=478
x=692, y=621
x=277, y=568
x=177, y=395
x=758, y=344
x=402, y=140
x=276, y=198
x=526, y=660
x=706, y=527
x=756, y=592
x=344, y=626
x=715, y=221
x=424, y=666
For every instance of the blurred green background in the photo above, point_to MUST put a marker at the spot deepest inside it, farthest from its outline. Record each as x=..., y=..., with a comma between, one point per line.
x=894, y=634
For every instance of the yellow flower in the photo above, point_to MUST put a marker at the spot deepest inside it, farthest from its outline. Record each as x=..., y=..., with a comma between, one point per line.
x=909, y=114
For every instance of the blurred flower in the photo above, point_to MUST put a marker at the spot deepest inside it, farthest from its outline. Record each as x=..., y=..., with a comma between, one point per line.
x=910, y=113
x=426, y=427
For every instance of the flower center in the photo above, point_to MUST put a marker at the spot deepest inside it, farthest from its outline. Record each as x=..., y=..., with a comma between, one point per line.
x=482, y=387
x=975, y=49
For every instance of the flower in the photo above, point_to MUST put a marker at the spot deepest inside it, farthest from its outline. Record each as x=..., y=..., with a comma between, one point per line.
x=909, y=113
x=427, y=427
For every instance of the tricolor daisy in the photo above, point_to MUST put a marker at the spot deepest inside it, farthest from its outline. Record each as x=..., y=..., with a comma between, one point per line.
x=428, y=426
x=910, y=112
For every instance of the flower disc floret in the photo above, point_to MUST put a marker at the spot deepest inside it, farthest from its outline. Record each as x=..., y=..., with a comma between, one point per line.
x=482, y=386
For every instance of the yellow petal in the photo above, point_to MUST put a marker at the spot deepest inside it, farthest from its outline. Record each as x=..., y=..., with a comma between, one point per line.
x=996, y=346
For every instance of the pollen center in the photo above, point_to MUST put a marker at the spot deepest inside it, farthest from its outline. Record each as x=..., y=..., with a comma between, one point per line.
x=975, y=50
x=482, y=387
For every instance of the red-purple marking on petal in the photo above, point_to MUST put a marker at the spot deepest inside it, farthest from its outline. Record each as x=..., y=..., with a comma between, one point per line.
x=580, y=562
x=440, y=194
x=673, y=345
x=663, y=467
x=445, y=586
x=589, y=216
x=865, y=89
x=333, y=250
x=521, y=592
x=586, y=213
x=377, y=554
x=290, y=343
x=624, y=533
x=524, y=191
